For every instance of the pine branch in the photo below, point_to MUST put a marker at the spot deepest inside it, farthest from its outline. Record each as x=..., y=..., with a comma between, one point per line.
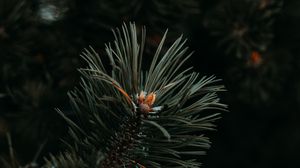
x=130, y=116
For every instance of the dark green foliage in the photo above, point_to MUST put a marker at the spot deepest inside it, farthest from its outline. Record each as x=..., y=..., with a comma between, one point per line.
x=113, y=132
x=252, y=44
x=244, y=31
x=67, y=160
x=35, y=75
x=260, y=83
x=243, y=26
x=34, y=78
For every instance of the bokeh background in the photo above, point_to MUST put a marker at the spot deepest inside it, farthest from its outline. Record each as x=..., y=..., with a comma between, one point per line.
x=253, y=45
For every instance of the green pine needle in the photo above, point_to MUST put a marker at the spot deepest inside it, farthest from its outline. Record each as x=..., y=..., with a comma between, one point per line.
x=115, y=127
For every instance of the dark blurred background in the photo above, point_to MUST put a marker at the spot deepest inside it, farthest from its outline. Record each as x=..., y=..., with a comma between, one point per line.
x=253, y=45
